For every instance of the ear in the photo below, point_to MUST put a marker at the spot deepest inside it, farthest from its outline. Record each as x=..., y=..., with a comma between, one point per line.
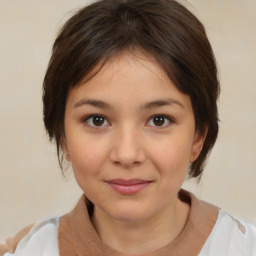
x=198, y=144
x=64, y=147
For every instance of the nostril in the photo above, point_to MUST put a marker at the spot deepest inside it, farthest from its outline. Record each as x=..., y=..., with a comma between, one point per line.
x=126, y=165
x=127, y=159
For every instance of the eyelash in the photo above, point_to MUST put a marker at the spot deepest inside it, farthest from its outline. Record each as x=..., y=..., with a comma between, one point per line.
x=166, y=118
x=90, y=117
x=87, y=118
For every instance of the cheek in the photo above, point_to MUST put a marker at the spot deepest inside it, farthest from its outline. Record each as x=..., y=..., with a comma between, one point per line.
x=173, y=154
x=172, y=164
x=86, y=165
x=86, y=157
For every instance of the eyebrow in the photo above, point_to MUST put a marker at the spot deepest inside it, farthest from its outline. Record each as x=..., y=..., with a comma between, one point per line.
x=149, y=105
x=95, y=103
x=164, y=102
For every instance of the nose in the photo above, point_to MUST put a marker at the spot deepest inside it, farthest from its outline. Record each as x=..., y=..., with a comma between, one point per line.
x=127, y=150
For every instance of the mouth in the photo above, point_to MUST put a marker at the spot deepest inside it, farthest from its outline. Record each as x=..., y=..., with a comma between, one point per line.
x=128, y=187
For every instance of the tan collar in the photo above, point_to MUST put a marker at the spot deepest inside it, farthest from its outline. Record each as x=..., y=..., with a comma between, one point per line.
x=78, y=237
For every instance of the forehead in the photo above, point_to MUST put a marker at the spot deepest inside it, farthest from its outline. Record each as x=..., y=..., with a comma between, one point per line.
x=134, y=77
x=127, y=59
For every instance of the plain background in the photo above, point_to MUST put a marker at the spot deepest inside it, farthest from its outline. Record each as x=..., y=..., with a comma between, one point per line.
x=31, y=185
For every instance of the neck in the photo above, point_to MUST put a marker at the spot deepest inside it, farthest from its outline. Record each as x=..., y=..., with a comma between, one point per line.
x=143, y=236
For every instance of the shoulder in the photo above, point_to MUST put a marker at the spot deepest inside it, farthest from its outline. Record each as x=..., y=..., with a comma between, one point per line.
x=39, y=239
x=231, y=236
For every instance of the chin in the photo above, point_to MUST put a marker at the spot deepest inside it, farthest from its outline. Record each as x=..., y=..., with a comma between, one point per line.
x=129, y=212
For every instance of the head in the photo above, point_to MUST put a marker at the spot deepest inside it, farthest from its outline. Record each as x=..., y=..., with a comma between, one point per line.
x=163, y=29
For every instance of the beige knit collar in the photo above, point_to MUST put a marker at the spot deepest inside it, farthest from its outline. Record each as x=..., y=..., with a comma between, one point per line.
x=78, y=237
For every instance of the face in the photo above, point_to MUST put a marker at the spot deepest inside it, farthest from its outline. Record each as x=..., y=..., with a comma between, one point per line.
x=130, y=136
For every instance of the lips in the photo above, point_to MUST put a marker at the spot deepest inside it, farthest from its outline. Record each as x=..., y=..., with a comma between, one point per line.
x=128, y=187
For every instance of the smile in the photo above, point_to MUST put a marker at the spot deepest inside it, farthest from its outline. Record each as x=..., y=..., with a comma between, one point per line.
x=128, y=187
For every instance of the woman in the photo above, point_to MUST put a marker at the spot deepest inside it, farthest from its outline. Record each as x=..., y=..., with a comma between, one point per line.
x=130, y=100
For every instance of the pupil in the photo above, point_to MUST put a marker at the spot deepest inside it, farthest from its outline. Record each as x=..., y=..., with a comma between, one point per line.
x=158, y=121
x=98, y=120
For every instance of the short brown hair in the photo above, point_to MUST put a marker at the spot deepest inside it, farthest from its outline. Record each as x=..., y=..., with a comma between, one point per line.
x=163, y=28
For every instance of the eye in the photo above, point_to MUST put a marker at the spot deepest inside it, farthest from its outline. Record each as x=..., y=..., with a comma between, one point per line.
x=160, y=121
x=95, y=121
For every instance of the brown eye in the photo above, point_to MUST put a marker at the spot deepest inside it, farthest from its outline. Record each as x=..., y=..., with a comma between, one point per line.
x=160, y=121
x=98, y=120
x=95, y=121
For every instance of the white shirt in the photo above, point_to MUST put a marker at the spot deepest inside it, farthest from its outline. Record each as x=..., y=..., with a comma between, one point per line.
x=229, y=237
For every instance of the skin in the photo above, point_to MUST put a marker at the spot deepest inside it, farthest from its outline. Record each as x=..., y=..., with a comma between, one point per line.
x=128, y=142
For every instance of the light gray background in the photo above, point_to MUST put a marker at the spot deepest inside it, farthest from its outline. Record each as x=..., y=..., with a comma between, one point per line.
x=31, y=186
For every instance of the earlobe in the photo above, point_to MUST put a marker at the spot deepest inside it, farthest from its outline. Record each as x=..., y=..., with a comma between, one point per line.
x=198, y=144
x=67, y=157
x=64, y=147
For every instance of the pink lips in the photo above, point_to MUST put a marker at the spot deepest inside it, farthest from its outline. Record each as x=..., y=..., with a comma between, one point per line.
x=128, y=187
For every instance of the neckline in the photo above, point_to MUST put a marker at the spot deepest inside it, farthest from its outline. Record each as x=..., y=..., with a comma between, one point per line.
x=86, y=241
